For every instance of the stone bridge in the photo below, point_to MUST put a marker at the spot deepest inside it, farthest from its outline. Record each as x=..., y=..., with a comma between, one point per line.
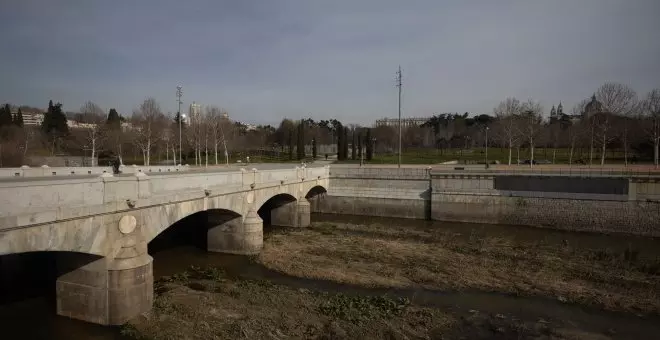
x=101, y=226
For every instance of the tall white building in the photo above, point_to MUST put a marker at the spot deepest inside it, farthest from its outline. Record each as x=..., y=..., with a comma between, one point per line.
x=194, y=111
x=405, y=122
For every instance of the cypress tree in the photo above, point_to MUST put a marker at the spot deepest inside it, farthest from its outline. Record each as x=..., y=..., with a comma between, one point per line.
x=353, y=147
x=290, y=145
x=340, y=147
x=5, y=116
x=114, y=121
x=54, y=124
x=18, y=118
x=359, y=142
x=345, y=143
x=301, y=141
x=369, y=145
x=314, y=148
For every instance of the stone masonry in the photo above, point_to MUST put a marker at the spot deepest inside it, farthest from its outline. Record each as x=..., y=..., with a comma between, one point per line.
x=580, y=203
x=105, y=223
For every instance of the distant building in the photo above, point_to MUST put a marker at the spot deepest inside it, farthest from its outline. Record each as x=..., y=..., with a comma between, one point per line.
x=593, y=107
x=31, y=116
x=195, y=110
x=405, y=122
x=77, y=125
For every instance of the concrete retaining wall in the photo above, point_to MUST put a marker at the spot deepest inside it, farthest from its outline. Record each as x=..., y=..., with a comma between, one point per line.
x=633, y=217
x=376, y=192
x=611, y=204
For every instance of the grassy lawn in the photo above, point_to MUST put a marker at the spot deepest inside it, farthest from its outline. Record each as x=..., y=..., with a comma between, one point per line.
x=478, y=155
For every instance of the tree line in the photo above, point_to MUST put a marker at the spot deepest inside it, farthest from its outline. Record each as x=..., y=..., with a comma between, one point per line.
x=149, y=134
x=613, y=118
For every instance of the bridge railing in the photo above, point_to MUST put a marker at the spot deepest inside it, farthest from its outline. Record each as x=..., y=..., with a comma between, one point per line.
x=193, y=180
x=52, y=193
x=283, y=175
x=16, y=197
x=46, y=171
x=315, y=173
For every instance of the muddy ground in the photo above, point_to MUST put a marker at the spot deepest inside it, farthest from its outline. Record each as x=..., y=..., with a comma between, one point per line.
x=376, y=281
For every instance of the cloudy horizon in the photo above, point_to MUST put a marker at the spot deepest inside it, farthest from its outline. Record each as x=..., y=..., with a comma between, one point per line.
x=263, y=61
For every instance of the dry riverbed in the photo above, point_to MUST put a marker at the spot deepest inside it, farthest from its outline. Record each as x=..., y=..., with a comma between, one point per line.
x=375, y=255
x=348, y=281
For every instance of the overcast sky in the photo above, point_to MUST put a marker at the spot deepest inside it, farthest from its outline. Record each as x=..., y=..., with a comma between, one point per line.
x=262, y=60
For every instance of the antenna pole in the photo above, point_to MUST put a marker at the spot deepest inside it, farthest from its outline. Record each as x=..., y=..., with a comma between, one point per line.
x=399, y=84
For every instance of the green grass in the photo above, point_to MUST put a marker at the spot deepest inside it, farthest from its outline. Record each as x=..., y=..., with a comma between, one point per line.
x=428, y=156
x=478, y=155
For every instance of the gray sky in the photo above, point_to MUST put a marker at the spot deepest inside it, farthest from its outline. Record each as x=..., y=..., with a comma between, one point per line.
x=263, y=60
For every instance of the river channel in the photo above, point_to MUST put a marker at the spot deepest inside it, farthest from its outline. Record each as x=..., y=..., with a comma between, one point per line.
x=30, y=315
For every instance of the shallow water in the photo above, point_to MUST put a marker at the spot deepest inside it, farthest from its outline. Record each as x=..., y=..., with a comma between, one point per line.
x=34, y=317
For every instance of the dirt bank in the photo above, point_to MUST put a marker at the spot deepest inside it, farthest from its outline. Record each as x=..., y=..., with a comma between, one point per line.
x=350, y=281
x=376, y=255
x=206, y=304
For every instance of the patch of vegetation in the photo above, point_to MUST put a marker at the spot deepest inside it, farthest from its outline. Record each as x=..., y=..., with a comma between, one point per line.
x=209, y=273
x=520, y=202
x=358, y=309
x=628, y=258
x=250, y=284
x=129, y=331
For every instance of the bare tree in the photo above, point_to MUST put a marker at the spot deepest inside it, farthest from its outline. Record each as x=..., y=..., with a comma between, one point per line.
x=169, y=138
x=617, y=99
x=148, y=123
x=532, y=112
x=579, y=128
x=93, y=118
x=651, y=114
x=219, y=131
x=194, y=135
x=508, y=116
x=553, y=133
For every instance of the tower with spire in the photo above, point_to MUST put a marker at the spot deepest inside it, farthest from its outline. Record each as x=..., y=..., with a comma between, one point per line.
x=560, y=110
x=553, y=114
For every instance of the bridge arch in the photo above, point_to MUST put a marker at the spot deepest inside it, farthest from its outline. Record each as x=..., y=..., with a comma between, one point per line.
x=269, y=206
x=315, y=191
x=84, y=235
x=57, y=278
x=315, y=197
x=192, y=229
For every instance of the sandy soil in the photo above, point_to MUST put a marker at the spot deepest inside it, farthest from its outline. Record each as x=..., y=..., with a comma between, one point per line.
x=386, y=256
x=214, y=303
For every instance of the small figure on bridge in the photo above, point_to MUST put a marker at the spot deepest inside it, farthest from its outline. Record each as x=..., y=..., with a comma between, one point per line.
x=115, y=166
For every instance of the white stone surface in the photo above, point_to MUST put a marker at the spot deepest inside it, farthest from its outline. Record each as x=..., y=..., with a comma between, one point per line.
x=127, y=224
x=84, y=214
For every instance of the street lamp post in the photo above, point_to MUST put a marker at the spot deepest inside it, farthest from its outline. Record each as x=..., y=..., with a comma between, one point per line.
x=179, y=93
x=487, y=147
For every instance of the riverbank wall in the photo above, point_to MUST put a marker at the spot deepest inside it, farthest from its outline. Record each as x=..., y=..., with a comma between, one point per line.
x=605, y=203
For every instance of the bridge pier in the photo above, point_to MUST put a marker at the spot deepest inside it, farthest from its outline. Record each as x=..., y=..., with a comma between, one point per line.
x=105, y=291
x=243, y=236
x=293, y=214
